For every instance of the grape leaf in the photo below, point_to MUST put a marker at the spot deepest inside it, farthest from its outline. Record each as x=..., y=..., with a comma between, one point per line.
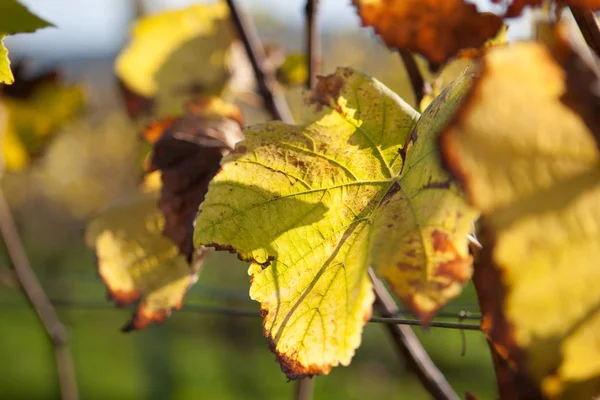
x=293, y=71
x=436, y=29
x=15, y=18
x=161, y=61
x=188, y=151
x=359, y=183
x=136, y=262
x=528, y=159
x=37, y=108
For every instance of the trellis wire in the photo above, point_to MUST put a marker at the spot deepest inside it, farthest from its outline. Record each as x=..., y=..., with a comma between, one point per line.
x=245, y=312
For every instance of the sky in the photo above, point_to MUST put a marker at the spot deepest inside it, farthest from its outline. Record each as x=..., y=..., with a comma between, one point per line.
x=100, y=27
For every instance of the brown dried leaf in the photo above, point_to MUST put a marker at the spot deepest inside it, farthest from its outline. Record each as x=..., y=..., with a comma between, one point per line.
x=188, y=151
x=436, y=29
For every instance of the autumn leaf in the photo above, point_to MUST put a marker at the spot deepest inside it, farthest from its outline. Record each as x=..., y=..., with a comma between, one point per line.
x=528, y=159
x=15, y=18
x=136, y=262
x=436, y=29
x=37, y=107
x=312, y=206
x=187, y=151
x=293, y=71
x=159, y=68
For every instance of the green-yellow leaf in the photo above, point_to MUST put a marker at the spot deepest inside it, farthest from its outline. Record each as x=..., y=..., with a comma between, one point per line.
x=530, y=163
x=161, y=61
x=313, y=206
x=16, y=18
x=138, y=263
x=293, y=71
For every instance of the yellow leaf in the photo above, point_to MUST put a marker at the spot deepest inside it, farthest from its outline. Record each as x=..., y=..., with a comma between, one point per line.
x=34, y=119
x=161, y=61
x=529, y=162
x=312, y=206
x=6, y=75
x=136, y=262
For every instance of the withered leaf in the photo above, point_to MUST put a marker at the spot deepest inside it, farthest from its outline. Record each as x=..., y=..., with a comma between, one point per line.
x=529, y=161
x=187, y=151
x=436, y=29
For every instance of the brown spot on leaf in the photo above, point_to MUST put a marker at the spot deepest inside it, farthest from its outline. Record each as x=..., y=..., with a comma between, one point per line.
x=405, y=267
x=122, y=298
x=425, y=316
x=327, y=90
x=291, y=367
x=458, y=270
x=293, y=160
x=144, y=317
x=442, y=242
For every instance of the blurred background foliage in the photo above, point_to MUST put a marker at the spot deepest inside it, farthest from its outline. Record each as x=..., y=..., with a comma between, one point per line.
x=96, y=158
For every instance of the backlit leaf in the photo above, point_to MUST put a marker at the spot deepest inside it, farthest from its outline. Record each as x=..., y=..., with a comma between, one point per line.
x=15, y=18
x=188, y=151
x=37, y=108
x=312, y=206
x=293, y=71
x=161, y=61
x=436, y=29
x=525, y=152
x=136, y=262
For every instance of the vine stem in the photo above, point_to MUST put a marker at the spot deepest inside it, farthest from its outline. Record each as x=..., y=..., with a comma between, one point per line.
x=589, y=27
x=313, y=46
x=409, y=346
x=414, y=74
x=39, y=301
x=273, y=99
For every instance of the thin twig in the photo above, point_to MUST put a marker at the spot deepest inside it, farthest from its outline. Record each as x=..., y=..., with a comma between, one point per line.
x=589, y=27
x=408, y=344
x=39, y=301
x=414, y=74
x=313, y=46
x=273, y=99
